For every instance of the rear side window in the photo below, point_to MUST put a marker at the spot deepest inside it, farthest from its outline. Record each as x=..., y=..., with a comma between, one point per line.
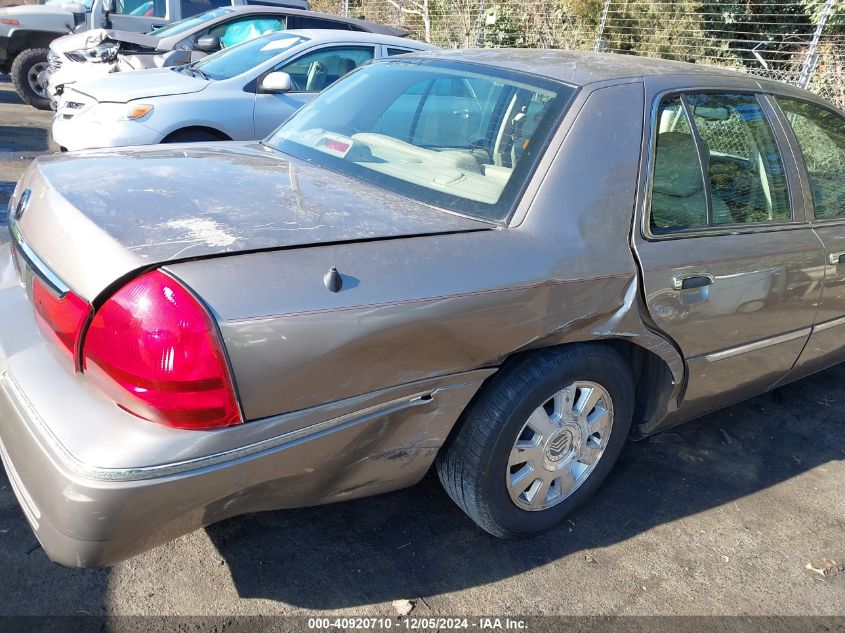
x=716, y=163
x=821, y=136
x=397, y=51
x=678, y=197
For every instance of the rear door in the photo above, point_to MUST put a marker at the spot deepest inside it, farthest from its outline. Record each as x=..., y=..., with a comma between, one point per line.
x=729, y=263
x=310, y=73
x=819, y=134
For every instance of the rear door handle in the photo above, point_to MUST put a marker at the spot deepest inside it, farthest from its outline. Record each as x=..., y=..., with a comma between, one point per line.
x=689, y=282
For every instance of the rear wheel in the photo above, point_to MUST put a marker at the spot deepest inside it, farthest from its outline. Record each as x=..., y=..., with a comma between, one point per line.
x=28, y=75
x=540, y=438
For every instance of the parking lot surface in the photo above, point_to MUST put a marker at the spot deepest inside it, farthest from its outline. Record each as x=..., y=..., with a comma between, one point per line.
x=740, y=512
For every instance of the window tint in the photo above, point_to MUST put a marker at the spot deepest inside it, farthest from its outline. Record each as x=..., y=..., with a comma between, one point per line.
x=317, y=23
x=193, y=7
x=678, y=198
x=144, y=8
x=315, y=71
x=233, y=33
x=742, y=179
x=821, y=136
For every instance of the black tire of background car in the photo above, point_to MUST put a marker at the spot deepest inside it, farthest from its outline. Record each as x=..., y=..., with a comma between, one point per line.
x=472, y=463
x=20, y=69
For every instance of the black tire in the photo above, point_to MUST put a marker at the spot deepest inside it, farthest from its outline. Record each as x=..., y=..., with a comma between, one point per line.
x=22, y=66
x=472, y=465
x=193, y=136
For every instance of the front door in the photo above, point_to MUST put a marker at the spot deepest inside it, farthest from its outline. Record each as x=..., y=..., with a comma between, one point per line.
x=310, y=73
x=730, y=266
x=820, y=135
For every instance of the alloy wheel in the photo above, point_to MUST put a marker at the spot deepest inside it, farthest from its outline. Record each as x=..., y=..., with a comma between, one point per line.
x=37, y=79
x=559, y=446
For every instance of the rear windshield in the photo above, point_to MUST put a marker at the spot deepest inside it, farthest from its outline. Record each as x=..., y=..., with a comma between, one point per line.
x=181, y=26
x=231, y=62
x=463, y=137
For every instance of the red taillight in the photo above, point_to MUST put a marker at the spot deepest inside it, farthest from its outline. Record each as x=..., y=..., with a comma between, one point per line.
x=154, y=349
x=60, y=318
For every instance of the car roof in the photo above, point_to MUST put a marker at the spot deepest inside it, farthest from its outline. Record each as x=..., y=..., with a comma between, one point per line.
x=366, y=25
x=581, y=68
x=340, y=35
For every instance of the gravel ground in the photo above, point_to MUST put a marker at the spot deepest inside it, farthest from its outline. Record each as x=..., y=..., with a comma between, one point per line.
x=720, y=516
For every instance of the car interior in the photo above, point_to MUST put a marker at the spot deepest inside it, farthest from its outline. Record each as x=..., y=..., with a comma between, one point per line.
x=463, y=160
x=315, y=71
x=238, y=31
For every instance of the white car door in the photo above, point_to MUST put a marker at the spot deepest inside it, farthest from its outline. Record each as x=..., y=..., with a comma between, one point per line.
x=310, y=73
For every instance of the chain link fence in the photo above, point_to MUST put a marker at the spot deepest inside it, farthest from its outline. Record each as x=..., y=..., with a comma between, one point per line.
x=801, y=43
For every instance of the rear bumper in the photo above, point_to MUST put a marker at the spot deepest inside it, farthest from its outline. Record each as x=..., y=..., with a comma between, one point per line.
x=161, y=483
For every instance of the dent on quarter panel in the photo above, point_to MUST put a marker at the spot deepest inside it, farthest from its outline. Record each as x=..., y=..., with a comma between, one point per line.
x=425, y=306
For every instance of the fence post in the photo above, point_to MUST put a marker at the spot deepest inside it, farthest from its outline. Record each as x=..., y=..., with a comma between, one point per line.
x=602, y=23
x=808, y=68
x=479, y=26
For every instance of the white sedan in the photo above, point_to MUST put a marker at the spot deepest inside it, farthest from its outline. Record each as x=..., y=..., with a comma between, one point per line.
x=240, y=93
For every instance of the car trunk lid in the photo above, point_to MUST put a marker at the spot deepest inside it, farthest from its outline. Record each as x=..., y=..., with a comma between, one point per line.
x=97, y=217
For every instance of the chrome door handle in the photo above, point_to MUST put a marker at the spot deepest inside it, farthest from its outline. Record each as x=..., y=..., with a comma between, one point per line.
x=691, y=281
x=835, y=258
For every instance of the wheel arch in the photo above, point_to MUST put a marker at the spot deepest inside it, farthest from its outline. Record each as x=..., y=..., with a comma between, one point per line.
x=222, y=136
x=657, y=376
x=22, y=40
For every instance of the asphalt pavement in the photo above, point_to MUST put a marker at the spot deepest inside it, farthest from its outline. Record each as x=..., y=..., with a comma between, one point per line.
x=739, y=513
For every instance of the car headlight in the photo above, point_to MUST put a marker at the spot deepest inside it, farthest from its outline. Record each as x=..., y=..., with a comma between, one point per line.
x=96, y=54
x=112, y=112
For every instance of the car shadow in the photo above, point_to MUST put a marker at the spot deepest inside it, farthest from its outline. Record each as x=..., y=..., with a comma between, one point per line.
x=33, y=585
x=416, y=542
x=23, y=139
x=6, y=189
x=10, y=97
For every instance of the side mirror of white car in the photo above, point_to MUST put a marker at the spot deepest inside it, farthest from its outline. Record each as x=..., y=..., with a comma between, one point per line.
x=276, y=82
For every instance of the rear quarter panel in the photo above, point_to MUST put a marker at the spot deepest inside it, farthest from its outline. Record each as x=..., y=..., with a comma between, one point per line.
x=429, y=306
